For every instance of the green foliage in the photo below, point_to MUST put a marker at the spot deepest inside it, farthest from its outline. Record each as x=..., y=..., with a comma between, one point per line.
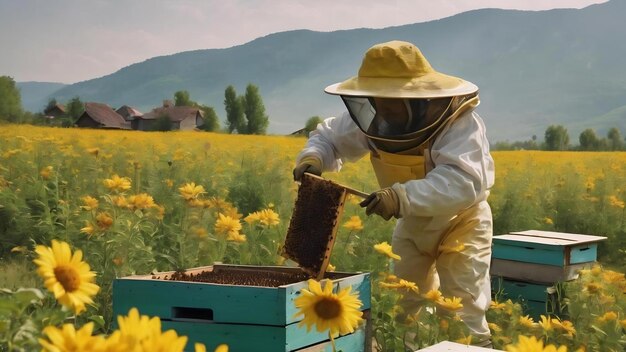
x=10, y=100
x=311, y=124
x=615, y=141
x=75, y=108
x=181, y=98
x=589, y=140
x=556, y=138
x=255, y=111
x=162, y=123
x=211, y=120
x=234, y=111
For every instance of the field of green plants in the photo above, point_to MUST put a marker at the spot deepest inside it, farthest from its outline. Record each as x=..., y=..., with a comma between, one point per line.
x=136, y=203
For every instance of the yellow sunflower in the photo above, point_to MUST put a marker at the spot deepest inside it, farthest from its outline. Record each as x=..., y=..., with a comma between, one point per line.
x=354, y=224
x=190, y=191
x=198, y=347
x=434, y=295
x=338, y=313
x=268, y=217
x=531, y=344
x=66, y=275
x=527, y=321
x=116, y=183
x=385, y=248
x=142, y=333
x=451, y=304
x=141, y=201
x=91, y=203
x=68, y=339
x=225, y=225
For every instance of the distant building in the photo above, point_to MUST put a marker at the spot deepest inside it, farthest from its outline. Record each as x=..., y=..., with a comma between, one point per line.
x=129, y=113
x=54, y=111
x=182, y=117
x=99, y=115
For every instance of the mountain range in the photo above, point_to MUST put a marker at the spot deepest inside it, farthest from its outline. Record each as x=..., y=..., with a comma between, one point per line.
x=533, y=68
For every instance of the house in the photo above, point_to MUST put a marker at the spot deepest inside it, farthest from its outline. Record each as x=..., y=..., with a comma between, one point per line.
x=181, y=117
x=129, y=113
x=98, y=115
x=54, y=111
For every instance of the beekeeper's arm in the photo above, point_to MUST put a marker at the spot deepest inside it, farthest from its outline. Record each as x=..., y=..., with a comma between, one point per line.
x=334, y=141
x=463, y=173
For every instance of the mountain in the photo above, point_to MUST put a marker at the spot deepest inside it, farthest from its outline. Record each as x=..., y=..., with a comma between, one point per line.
x=35, y=94
x=562, y=66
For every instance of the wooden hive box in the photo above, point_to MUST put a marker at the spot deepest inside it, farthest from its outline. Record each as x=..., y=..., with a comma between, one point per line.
x=246, y=317
x=535, y=299
x=542, y=256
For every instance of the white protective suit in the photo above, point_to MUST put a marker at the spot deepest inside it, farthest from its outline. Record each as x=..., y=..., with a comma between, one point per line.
x=439, y=212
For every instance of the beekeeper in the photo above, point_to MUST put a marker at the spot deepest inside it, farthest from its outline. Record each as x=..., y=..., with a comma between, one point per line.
x=431, y=157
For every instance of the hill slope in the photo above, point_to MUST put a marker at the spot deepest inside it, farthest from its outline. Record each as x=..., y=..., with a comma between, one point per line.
x=533, y=68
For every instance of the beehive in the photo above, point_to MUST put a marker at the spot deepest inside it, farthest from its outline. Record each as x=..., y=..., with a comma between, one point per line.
x=254, y=314
x=528, y=266
x=314, y=223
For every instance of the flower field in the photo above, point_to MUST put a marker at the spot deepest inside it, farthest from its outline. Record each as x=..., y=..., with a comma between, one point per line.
x=134, y=203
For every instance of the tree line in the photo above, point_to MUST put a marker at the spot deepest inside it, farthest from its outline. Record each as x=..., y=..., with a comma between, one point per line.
x=556, y=138
x=245, y=114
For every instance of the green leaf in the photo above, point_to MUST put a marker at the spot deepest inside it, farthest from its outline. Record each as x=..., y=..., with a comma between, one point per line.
x=98, y=320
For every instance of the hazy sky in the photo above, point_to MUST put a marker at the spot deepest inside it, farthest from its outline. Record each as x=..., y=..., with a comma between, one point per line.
x=73, y=40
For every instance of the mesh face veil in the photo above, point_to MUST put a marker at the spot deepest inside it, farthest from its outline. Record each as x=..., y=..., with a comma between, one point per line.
x=398, y=120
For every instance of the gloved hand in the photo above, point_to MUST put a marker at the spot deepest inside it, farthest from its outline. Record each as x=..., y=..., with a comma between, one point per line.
x=384, y=203
x=308, y=164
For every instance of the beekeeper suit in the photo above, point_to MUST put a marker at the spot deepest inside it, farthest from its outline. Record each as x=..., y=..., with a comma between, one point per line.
x=431, y=157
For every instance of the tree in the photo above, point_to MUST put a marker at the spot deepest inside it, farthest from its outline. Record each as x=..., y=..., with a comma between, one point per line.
x=182, y=98
x=556, y=138
x=234, y=111
x=211, y=121
x=311, y=124
x=162, y=123
x=255, y=111
x=75, y=108
x=615, y=141
x=51, y=104
x=589, y=140
x=10, y=100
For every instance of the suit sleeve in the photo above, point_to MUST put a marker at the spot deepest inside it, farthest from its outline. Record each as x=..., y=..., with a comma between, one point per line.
x=462, y=176
x=335, y=141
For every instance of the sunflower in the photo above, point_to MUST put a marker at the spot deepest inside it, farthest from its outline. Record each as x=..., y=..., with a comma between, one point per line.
x=66, y=275
x=531, y=344
x=227, y=225
x=433, y=295
x=385, y=248
x=91, y=203
x=68, y=339
x=142, y=333
x=451, y=304
x=527, y=321
x=339, y=313
x=116, y=183
x=268, y=217
x=198, y=347
x=354, y=224
x=402, y=284
x=190, y=191
x=141, y=201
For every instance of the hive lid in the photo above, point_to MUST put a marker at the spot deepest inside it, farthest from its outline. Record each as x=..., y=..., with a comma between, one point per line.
x=549, y=238
x=313, y=225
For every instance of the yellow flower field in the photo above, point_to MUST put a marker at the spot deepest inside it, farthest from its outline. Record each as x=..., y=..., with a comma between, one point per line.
x=133, y=202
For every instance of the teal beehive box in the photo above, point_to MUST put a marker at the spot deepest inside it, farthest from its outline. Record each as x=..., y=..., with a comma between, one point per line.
x=536, y=299
x=542, y=256
x=249, y=308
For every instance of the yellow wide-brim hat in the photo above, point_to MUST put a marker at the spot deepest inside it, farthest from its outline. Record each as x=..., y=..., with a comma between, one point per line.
x=398, y=69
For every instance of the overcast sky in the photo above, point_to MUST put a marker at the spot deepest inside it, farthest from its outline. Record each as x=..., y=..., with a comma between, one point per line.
x=73, y=40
